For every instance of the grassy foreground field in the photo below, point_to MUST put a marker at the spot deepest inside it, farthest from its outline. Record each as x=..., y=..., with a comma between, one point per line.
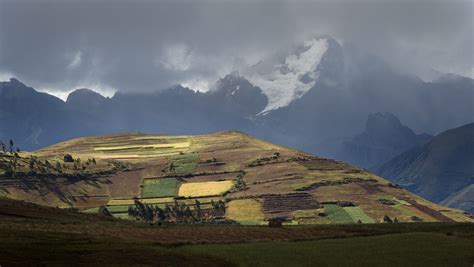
x=36, y=235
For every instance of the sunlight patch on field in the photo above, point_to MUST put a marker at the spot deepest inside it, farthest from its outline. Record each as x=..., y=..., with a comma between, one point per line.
x=159, y=137
x=205, y=188
x=245, y=211
x=171, y=145
x=158, y=200
x=134, y=156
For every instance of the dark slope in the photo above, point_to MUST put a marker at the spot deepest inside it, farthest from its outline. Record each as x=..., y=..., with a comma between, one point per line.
x=440, y=168
x=384, y=138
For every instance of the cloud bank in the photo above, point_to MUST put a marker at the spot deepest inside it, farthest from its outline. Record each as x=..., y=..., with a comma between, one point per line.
x=141, y=46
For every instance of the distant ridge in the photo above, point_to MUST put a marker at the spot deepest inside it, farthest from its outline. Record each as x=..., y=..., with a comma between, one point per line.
x=442, y=170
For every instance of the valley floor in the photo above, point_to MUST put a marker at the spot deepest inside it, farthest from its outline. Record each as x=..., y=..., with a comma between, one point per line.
x=69, y=242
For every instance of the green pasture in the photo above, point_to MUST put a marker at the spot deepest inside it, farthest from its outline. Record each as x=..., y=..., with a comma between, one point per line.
x=165, y=187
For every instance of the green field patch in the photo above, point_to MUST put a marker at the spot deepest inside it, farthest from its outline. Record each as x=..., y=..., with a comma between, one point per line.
x=337, y=214
x=356, y=213
x=118, y=209
x=406, y=211
x=165, y=187
x=183, y=164
x=403, y=202
x=91, y=210
x=123, y=216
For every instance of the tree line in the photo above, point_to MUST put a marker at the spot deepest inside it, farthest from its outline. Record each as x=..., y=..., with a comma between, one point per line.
x=177, y=212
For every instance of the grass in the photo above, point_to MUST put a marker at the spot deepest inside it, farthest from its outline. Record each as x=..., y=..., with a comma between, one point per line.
x=90, y=210
x=356, y=213
x=245, y=211
x=36, y=235
x=412, y=249
x=204, y=189
x=310, y=217
x=408, y=249
x=123, y=215
x=183, y=164
x=150, y=146
x=118, y=209
x=160, y=200
x=165, y=187
x=119, y=202
x=337, y=214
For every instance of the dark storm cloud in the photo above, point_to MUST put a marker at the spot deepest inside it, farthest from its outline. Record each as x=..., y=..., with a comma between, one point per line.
x=148, y=45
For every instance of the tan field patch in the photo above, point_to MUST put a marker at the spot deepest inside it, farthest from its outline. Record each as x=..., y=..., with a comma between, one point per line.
x=159, y=137
x=245, y=210
x=116, y=202
x=157, y=200
x=135, y=156
x=204, y=188
x=457, y=216
x=171, y=145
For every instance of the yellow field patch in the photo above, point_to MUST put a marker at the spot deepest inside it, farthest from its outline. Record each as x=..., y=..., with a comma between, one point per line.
x=171, y=145
x=245, y=210
x=134, y=156
x=114, y=202
x=204, y=188
x=157, y=200
x=159, y=137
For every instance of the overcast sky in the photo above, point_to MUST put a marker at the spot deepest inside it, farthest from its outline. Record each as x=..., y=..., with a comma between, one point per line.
x=147, y=45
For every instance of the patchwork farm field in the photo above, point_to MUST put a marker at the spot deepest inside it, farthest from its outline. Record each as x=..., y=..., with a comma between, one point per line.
x=205, y=189
x=225, y=178
x=165, y=187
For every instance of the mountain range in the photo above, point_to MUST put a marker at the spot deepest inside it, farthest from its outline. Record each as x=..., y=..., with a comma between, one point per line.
x=312, y=96
x=384, y=138
x=442, y=170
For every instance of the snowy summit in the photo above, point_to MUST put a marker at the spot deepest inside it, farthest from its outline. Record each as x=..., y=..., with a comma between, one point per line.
x=288, y=78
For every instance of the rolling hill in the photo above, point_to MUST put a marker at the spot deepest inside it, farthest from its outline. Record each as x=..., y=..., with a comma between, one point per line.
x=442, y=170
x=225, y=177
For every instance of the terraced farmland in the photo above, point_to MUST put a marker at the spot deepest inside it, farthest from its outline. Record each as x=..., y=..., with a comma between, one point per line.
x=227, y=176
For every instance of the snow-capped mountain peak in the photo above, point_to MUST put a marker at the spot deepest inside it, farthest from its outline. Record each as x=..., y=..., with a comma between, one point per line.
x=289, y=77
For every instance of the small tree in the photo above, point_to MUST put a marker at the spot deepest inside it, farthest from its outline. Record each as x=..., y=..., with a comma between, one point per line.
x=3, y=146
x=160, y=213
x=32, y=162
x=103, y=211
x=188, y=213
x=58, y=166
x=387, y=219
x=11, y=146
x=68, y=158
x=198, y=209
